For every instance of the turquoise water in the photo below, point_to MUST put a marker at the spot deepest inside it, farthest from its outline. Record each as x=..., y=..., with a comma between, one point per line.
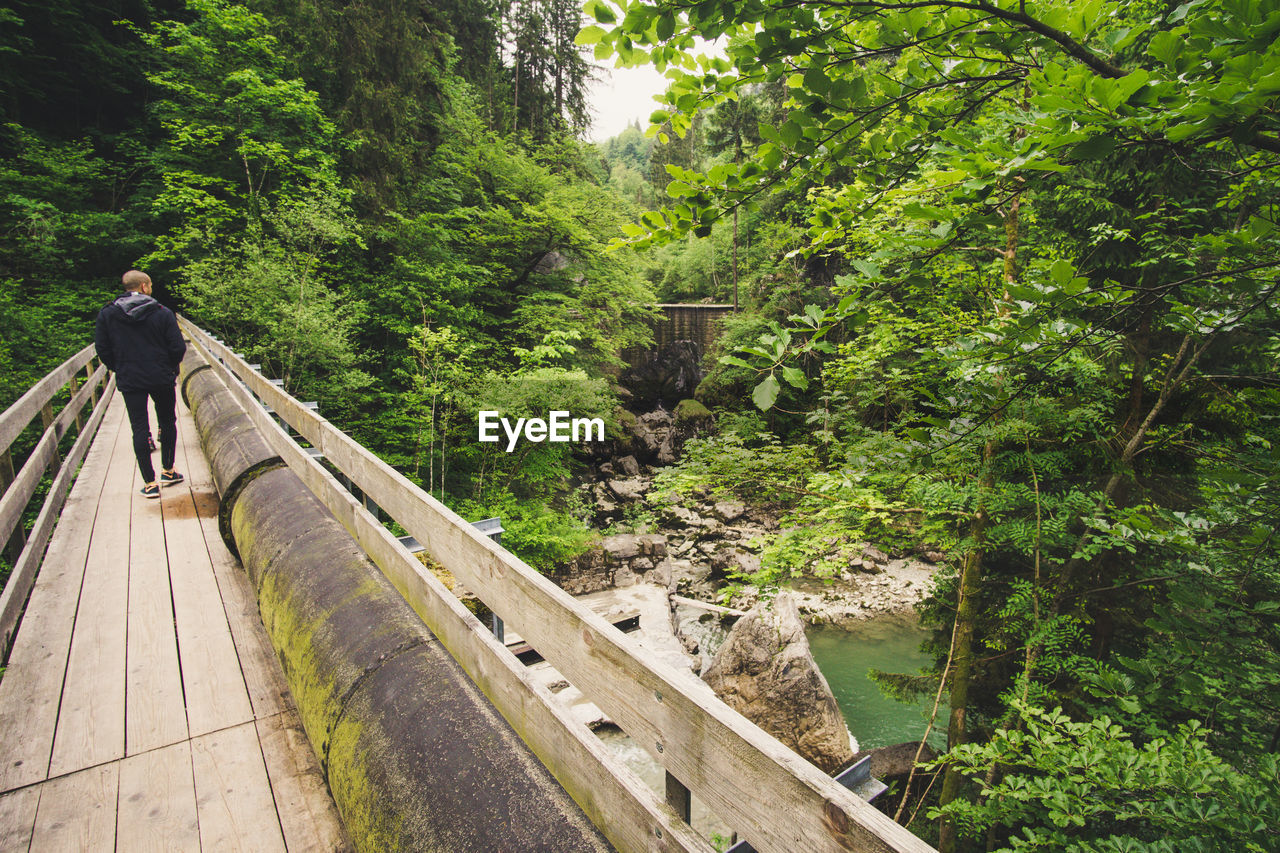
x=887, y=643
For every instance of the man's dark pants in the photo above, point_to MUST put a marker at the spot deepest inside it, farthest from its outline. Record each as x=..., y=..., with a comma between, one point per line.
x=166, y=403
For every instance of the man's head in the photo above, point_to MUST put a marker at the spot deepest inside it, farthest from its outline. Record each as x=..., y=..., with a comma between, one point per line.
x=136, y=281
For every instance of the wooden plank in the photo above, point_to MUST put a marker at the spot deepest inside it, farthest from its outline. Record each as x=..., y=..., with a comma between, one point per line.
x=307, y=814
x=211, y=676
x=233, y=796
x=155, y=712
x=740, y=771
x=18, y=818
x=157, y=809
x=91, y=719
x=15, y=418
x=28, y=562
x=78, y=812
x=15, y=541
x=263, y=678
x=31, y=689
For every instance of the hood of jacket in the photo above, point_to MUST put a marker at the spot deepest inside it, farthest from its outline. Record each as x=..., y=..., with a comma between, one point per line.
x=135, y=306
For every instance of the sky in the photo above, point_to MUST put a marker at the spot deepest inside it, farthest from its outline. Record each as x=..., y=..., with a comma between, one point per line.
x=621, y=96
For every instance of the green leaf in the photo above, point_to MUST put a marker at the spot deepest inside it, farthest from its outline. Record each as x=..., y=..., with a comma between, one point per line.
x=600, y=11
x=736, y=362
x=666, y=26
x=867, y=268
x=589, y=35
x=1061, y=272
x=1094, y=148
x=766, y=393
x=791, y=132
x=795, y=377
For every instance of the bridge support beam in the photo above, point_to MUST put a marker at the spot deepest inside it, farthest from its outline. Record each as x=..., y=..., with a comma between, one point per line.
x=415, y=756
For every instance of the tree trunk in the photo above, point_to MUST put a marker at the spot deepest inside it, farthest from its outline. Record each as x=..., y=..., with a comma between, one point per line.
x=971, y=569
x=966, y=620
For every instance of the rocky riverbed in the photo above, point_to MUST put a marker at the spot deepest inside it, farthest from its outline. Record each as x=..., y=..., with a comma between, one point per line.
x=700, y=548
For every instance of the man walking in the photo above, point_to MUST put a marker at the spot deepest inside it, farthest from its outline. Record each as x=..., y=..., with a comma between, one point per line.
x=138, y=338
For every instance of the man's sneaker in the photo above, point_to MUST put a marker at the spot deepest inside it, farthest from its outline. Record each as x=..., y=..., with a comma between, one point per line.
x=150, y=490
x=168, y=478
x=151, y=443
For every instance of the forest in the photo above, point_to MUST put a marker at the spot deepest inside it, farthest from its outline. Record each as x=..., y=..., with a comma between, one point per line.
x=1006, y=277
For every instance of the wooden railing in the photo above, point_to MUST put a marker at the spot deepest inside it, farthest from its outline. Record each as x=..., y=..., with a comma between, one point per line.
x=773, y=797
x=25, y=551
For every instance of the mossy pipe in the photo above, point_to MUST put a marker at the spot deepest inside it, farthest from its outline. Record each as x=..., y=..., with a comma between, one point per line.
x=415, y=756
x=237, y=452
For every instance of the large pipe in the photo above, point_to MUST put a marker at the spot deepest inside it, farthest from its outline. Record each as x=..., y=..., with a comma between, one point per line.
x=415, y=756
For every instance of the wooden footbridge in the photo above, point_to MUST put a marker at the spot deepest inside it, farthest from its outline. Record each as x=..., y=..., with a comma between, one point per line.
x=256, y=662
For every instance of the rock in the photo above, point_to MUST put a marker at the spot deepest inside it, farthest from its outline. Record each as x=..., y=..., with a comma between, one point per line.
x=894, y=762
x=875, y=555
x=934, y=556
x=678, y=516
x=661, y=574
x=766, y=672
x=606, y=470
x=653, y=545
x=628, y=465
x=691, y=414
x=728, y=560
x=621, y=547
x=688, y=573
x=628, y=490
x=728, y=511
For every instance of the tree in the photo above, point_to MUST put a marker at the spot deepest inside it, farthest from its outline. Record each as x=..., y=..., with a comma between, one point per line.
x=731, y=127
x=1092, y=187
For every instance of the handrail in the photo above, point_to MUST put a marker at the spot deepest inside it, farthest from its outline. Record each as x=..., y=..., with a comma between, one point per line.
x=44, y=457
x=16, y=417
x=774, y=798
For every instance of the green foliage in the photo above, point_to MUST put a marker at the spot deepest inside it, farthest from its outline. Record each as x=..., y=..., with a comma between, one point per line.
x=542, y=537
x=1089, y=786
x=757, y=468
x=241, y=140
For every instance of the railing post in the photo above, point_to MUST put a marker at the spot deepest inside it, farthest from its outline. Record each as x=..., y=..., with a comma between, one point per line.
x=13, y=548
x=75, y=386
x=46, y=418
x=88, y=377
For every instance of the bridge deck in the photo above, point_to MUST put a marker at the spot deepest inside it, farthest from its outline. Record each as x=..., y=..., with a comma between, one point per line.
x=142, y=707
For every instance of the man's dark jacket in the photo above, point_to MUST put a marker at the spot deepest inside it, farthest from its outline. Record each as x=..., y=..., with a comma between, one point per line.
x=138, y=338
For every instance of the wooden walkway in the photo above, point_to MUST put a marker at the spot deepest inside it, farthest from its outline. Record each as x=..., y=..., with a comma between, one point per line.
x=143, y=707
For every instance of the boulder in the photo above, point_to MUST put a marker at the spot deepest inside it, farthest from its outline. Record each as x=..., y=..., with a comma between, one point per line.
x=766, y=672
x=895, y=762
x=621, y=547
x=653, y=545
x=627, y=490
x=728, y=511
x=627, y=465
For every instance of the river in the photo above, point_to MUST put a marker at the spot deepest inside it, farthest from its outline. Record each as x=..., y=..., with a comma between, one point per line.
x=887, y=643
